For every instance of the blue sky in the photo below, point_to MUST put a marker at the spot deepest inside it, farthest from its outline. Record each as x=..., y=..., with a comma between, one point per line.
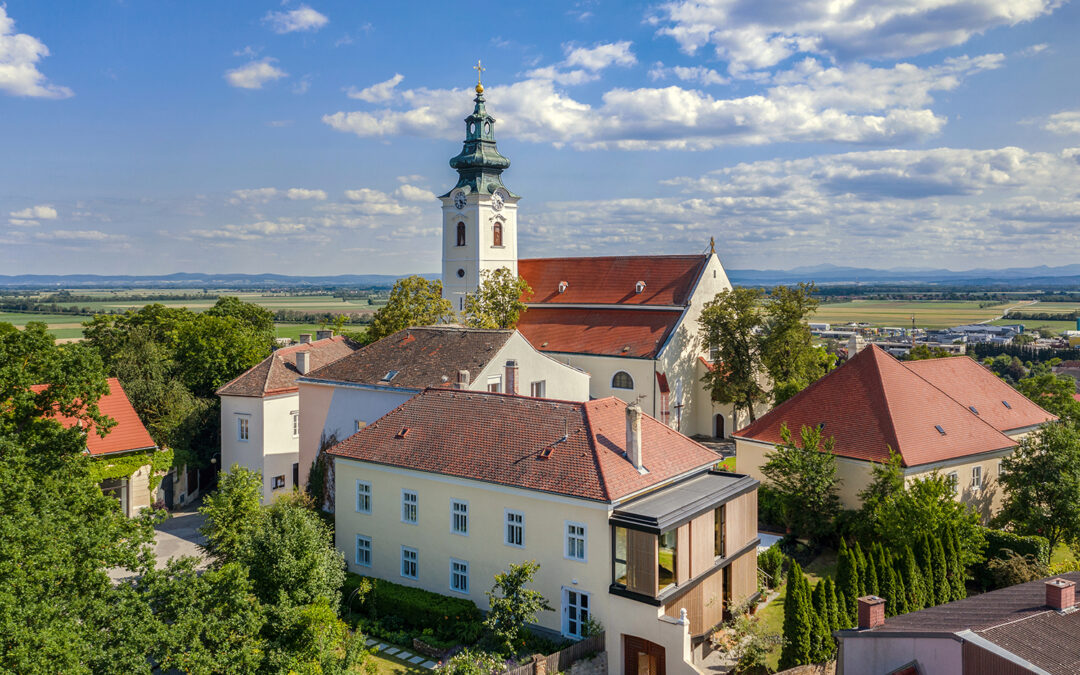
x=311, y=137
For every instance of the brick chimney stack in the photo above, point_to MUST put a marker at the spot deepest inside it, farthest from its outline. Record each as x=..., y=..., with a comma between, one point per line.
x=633, y=434
x=1060, y=594
x=871, y=612
x=303, y=362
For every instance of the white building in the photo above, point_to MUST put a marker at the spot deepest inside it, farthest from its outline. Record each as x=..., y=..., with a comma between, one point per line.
x=260, y=411
x=339, y=399
x=630, y=321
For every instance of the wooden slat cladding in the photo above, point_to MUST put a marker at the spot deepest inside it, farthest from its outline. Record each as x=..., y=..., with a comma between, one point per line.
x=743, y=577
x=700, y=554
x=978, y=661
x=704, y=604
x=740, y=521
x=641, y=559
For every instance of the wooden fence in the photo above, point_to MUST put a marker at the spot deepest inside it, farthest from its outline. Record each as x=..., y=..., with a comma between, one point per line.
x=561, y=661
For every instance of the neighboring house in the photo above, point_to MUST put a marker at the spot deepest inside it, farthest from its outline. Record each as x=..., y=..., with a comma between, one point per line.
x=126, y=441
x=951, y=415
x=630, y=525
x=630, y=321
x=1027, y=628
x=260, y=411
x=339, y=399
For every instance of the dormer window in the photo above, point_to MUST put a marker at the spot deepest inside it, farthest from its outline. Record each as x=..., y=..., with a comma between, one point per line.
x=496, y=237
x=461, y=234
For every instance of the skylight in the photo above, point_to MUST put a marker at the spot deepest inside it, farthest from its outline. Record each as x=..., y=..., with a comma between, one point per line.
x=940, y=430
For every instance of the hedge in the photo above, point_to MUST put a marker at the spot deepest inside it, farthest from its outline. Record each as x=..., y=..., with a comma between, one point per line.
x=416, y=609
x=997, y=541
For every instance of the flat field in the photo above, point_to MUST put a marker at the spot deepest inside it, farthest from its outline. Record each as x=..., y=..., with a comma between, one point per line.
x=928, y=314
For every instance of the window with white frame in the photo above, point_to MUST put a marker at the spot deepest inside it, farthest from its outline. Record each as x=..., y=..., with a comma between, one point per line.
x=363, y=550
x=243, y=430
x=954, y=482
x=459, y=576
x=515, y=528
x=296, y=424
x=363, y=496
x=575, y=541
x=538, y=389
x=976, y=477
x=459, y=517
x=409, y=502
x=410, y=561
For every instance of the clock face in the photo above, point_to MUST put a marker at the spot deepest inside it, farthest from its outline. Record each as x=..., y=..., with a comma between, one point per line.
x=497, y=201
x=459, y=200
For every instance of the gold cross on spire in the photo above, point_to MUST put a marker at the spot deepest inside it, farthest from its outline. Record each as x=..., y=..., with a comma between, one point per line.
x=479, y=72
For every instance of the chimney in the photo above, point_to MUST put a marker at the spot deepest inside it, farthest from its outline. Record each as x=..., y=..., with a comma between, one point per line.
x=303, y=362
x=1060, y=594
x=305, y=338
x=323, y=334
x=871, y=612
x=633, y=434
x=462, y=379
x=512, y=377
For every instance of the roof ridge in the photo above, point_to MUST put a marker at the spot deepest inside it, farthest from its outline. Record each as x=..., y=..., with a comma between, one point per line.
x=593, y=452
x=966, y=408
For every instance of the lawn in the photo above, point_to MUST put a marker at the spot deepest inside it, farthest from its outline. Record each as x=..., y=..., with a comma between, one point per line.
x=897, y=313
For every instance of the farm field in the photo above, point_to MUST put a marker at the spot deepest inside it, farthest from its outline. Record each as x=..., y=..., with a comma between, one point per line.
x=928, y=314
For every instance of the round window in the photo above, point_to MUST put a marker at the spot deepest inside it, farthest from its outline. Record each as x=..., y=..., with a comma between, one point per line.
x=461, y=273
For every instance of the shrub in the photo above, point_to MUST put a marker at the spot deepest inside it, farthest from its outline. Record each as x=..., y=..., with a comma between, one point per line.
x=451, y=619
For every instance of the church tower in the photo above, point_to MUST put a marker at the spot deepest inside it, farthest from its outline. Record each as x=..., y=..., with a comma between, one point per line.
x=479, y=213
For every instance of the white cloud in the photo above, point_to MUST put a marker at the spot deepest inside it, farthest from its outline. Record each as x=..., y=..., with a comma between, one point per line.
x=303, y=18
x=19, y=57
x=255, y=74
x=411, y=193
x=751, y=35
x=377, y=93
x=1067, y=122
x=853, y=103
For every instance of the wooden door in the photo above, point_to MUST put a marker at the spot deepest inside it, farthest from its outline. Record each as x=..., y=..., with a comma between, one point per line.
x=641, y=657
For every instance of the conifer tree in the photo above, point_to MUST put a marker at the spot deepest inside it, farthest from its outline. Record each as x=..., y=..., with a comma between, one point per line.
x=942, y=590
x=830, y=599
x=913, y=583
x=925, y=558
x=847, y=579
x=959, y=579
x=798, y=620
x=822, y=644
x=860, y=564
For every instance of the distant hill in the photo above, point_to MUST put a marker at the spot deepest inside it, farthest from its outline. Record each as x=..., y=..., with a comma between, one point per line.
x=1022, y=277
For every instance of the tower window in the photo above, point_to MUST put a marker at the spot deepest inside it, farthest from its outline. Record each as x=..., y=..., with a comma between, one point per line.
x=461, y=234
x=497, y=238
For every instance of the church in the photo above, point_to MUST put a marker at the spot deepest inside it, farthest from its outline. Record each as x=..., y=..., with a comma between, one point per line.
x=630, y=321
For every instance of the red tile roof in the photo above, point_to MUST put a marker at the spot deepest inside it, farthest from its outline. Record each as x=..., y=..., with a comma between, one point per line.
x=972, y=384
x=277, y=373
x=874, y=402
x=669, y=279
x=128, y=434
x=612, y=332
x=498, y=438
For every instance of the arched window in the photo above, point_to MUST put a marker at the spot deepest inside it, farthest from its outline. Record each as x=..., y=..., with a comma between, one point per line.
x=497, y=239
x=461, y=234
x=622, y=380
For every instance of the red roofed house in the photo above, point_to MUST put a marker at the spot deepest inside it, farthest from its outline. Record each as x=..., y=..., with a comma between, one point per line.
x=260, y=411
x=950, y=414
x=125, y=440
x=629, y=321
x=627, y=519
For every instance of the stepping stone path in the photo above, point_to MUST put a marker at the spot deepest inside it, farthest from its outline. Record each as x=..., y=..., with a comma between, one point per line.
x=401, y=654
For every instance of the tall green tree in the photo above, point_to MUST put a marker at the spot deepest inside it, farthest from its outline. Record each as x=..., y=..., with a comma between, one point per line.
x=787, y=349
x=413, y=301
x=497, y=302
x=798, y=620
x=729, y=324
x=804, y=477
x=1041, y=485
x=514, y=606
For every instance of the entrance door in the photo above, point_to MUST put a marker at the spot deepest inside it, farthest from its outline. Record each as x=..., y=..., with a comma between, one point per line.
x=642, y=657
x=576, y=611
x=718, y=426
